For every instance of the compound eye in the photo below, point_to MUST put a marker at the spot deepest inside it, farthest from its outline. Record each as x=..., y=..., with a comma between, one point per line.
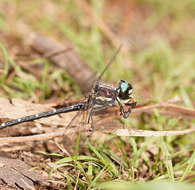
x=124, y=86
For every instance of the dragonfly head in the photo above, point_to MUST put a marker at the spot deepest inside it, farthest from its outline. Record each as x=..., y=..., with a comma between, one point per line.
x=125, y=90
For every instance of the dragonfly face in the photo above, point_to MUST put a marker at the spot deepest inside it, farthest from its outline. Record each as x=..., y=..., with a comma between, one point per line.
x=124, y=90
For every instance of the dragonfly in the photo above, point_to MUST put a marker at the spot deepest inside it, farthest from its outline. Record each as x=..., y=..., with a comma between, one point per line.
x=101, y=96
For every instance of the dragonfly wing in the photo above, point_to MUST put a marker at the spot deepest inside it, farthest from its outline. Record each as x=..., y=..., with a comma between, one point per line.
x=107, y=125
x=79, y=121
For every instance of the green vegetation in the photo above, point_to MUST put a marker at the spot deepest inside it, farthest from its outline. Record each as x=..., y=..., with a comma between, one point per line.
x=160, y=64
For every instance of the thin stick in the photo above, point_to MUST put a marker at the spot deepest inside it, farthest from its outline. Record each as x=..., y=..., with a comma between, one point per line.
x=41, y=137
x=168, y=105
x=149, y=133
x=119, y=132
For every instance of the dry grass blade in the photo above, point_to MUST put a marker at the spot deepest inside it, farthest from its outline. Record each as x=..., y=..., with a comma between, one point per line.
x=179, y=110
x=172, y=110
x=118, y=129
x=45, y=136
x=147, y=133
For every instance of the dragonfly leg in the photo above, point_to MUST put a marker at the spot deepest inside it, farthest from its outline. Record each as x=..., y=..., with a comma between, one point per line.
x=123, y=111
x=91, y=129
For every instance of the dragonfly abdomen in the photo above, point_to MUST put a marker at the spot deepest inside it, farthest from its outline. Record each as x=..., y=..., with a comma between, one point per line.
x=75, y=107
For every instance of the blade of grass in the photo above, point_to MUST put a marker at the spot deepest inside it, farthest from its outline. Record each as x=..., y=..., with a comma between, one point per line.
x=167, y=161
x=191, y=163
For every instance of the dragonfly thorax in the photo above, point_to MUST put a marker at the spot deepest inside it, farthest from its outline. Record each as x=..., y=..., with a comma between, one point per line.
x=108, y=93
x=105, y=90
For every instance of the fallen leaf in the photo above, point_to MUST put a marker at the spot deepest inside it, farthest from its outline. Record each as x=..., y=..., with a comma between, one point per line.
x=16, y=173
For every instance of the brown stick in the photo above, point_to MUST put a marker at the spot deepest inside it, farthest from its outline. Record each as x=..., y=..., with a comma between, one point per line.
x=120, y=132
x=69, y=60
x=168, y=105
x=41, y=137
